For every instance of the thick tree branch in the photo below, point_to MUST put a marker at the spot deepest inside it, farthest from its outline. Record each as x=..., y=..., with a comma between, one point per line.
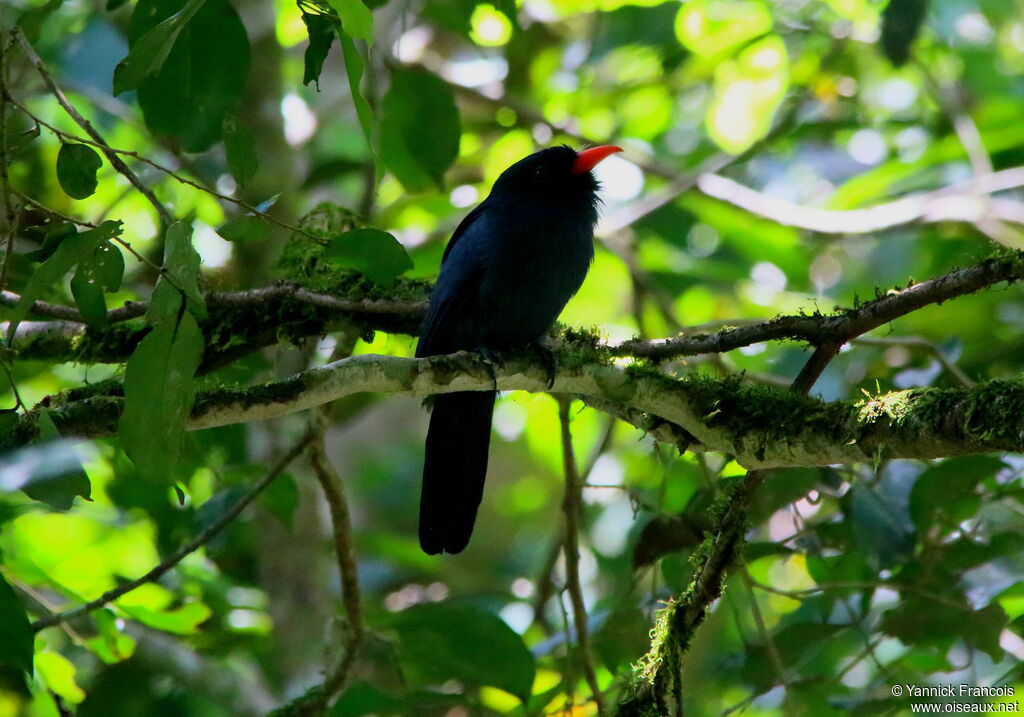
x=763, y=426
x=819, y=329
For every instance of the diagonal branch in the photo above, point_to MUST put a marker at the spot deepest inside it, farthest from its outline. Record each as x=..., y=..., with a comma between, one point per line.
x=115, y=161
x=190, y=547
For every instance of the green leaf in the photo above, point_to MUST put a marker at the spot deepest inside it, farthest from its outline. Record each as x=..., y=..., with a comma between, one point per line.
x=356, y=19
x=49, y=471
x=420, y=129
x=354, y=67
x=77, y=165
x=159, y=386
x=181, y=261
x=15, y=631
x=109, y=266
x=245, y=228
x=31, y=20
x=111, y=644
x=150, y=51
x=203, y=77
x=58, y=673
x=447, y=641
x=372, y=252
x=240, y=150
x=88, y=294
x=103, y=270
x=183, y=620
x=71, y=251
x=901, y=22
x=322, y=31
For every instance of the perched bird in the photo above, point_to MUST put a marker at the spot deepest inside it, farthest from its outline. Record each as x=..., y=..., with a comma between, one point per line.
x=509, y=269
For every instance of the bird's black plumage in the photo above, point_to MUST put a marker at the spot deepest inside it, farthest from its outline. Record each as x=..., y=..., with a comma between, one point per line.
x=509, y=269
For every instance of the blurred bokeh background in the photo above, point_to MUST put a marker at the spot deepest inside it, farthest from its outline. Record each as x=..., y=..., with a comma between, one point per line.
x=755, y=131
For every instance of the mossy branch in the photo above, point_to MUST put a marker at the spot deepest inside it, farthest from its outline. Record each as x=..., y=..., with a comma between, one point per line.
x=762, y=426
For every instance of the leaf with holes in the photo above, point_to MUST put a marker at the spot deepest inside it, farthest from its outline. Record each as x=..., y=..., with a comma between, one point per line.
x=72, y=250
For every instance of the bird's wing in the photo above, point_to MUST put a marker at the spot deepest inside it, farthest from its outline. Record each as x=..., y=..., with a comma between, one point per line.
x=447, y=314
x=463, y=226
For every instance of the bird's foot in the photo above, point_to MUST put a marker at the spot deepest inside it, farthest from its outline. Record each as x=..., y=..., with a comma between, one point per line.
x=547, y=357
x=491, y=360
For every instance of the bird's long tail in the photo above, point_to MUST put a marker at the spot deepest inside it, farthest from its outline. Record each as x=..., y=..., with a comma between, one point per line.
x=454, y=469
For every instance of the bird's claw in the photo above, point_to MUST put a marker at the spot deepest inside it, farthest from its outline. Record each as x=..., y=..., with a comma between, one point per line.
x=547, y=357
x=492, y=358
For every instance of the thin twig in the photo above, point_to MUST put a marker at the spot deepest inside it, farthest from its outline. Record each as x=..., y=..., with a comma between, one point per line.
x=820, y=329
x=920, y=342
x=112, y=156
x=5, y=182
x=204, y=537
x=572, y=506
x=117, y=153
x=762, y=628
x=341, y=526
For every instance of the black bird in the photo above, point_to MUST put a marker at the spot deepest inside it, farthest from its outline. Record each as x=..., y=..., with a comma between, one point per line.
x=509, y=269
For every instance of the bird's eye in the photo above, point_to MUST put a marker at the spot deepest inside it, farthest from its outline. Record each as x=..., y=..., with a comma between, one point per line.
x=542, y=174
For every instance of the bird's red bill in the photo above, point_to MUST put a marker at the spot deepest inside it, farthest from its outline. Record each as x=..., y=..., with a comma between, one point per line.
x=588, y=158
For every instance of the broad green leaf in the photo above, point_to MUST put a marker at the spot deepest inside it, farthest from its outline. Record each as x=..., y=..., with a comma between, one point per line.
x=321, y=30
x=420, y=129
x=240, y=150
x=49, y=471
x=159, y=386
x=58, y=673
x=111, y=644
x=356, y=19
x=150, y=51
x=71, y=251
x=77, y=165
x=109, y=266
x=103, y=270
x=881, y=519
x=372, y=252
x=88, y=294
x=8, y=420
x=245, y=228
x=15, y=631
x=181, y=261
x=354, y=67
x=204, y=75
x=443, y=641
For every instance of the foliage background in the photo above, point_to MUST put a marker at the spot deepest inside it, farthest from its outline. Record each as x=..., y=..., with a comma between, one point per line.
x=856, y=578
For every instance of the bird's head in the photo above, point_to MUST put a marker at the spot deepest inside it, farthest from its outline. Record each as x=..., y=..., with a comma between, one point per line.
x=555, y=174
